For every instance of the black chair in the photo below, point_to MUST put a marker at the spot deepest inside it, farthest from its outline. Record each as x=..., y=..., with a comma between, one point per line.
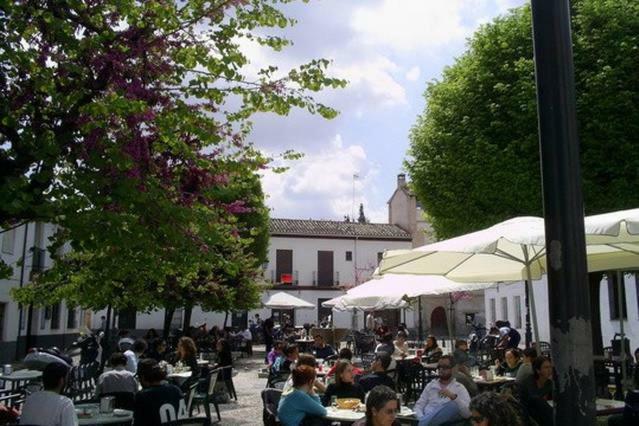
x=270, y=401
x=416, y=379
x=191, y=421
x=81, y=382
x=367, y=360
x=227, y=376
x=207, y=397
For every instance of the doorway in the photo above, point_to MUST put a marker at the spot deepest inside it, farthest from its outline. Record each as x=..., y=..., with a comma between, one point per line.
x=439, y=322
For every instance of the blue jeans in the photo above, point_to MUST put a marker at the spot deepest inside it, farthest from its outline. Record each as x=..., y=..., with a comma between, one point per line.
x=447, y=413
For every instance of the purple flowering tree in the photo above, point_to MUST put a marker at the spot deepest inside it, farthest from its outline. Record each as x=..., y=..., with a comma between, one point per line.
x=117, y=124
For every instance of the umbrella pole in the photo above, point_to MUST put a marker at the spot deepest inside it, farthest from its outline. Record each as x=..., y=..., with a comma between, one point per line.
x=533, y=308
x=622, y=308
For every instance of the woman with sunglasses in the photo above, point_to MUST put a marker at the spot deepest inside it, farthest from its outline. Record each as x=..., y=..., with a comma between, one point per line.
x=382, y=406
x=492, y=409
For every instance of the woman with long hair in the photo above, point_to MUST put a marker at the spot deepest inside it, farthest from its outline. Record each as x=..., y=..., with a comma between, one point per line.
x=300, y=402
x=492, y=409
x=187, y=354
x=536, y=391
x=431, y=350
x=382, y=406
x=344, y=386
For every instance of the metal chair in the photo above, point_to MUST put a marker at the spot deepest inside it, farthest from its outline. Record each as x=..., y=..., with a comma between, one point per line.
x=227, y=376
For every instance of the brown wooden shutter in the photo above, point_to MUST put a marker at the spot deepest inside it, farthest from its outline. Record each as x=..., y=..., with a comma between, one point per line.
x=324, y=268
x=283, y=264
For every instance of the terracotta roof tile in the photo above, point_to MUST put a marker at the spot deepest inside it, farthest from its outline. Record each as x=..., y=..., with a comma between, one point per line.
x=336, y=229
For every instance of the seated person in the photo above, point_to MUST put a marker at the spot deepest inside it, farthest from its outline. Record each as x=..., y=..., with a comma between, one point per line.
x=157, y=350
x=461, y=369
x=134, y=354
x=344, y=386
x=382, y=407
x=286, y=363
x=224, y=358
x=321, y=349
x=275, y=353
x=444, y=399
x=158, y=402
x=432, y=351
x=386, y=344
x=401, y=346
x=117, y=380
x=378, y=375
x=301, y=401
x=187, y=354
x=512, y=364
x=460, y=354
x=493, y=409
x=305, y=359
x=347, y=354
x=536, y=391
x=48, y=407
x=125, y=341
x=525, y=370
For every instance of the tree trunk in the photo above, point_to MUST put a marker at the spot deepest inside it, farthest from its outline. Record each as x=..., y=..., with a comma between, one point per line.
x=594, y=279
x=188, y=310
x=226, y=317
x=168, y=319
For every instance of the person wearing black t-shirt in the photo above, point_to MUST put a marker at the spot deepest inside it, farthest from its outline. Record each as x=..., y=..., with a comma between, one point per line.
x=378, y=375
x=344, y=386
x=157, y=403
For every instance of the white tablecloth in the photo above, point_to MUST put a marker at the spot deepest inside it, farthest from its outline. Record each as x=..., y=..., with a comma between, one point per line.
x=104, y=419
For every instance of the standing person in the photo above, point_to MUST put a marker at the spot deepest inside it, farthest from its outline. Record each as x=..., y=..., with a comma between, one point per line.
x=48, y=407
x=267, y=331
x=370, y=322
x=301, y=402
x=247, y=338
x=492, y=409
x=382, y=407
x=134, y=354
x=344, y=386
x=443, y=400
x=119, y=379
x=158, y=402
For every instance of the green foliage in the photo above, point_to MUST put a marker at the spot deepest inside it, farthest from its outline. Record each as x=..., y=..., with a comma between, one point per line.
x=474, y=157
x=118, y=127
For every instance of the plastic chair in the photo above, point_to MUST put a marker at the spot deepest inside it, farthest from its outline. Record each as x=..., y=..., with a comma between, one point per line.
x=207, y=398
x=270, y=401
x=227, y=376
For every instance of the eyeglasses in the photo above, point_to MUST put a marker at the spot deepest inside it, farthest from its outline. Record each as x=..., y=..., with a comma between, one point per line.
x=476, y=419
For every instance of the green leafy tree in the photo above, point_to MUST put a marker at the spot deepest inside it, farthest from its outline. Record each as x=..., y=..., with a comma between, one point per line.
x=474, y=157
x=126, y=124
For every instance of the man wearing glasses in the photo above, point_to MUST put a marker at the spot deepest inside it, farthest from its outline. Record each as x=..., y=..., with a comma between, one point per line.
x=444, y=399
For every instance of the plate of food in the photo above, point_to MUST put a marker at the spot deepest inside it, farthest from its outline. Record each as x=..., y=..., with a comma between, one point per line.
x=347, y=403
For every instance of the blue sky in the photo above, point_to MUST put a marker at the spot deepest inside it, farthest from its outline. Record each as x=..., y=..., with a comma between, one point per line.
x=388, y=50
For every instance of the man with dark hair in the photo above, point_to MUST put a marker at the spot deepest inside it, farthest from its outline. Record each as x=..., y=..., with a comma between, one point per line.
x=526, y=370
x=443, y=400
x=321, y=349
x=133, y=355
x=48, y=407
x=378, y=375
x=118, y=379
x=158, y=403
x=347, y=354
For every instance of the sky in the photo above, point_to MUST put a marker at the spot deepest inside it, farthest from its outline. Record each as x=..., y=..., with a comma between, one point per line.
x=388, y=50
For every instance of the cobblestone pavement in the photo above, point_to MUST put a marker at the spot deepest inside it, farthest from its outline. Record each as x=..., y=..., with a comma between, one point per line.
x=248, y=408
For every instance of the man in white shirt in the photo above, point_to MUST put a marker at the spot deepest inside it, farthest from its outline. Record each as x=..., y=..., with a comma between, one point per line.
x=117, y=380
x=134, y=354
x=444, y=399
x=48, y=407
x=370, y=322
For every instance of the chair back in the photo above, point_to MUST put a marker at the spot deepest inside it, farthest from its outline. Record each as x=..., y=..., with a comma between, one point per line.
x=123, y=400
x=212, y=381
x=270, y=401
x=367, y=360
x=190, y=395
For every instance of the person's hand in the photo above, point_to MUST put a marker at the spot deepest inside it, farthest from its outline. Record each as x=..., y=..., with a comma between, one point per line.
x=497, y=363
x=448, y=394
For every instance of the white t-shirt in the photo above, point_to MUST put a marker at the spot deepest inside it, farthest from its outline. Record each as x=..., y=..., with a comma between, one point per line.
x=431, y=401
x=131, y=361
x=503, y=331
x=46, y=408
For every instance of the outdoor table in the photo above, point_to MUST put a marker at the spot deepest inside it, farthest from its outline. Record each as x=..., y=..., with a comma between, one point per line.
x=494, y=383
x=605, y=407
x=344, y=415
x=19, y=378
x=203, y=362
x=406, y=358
x=180, y=377
x=122, y=417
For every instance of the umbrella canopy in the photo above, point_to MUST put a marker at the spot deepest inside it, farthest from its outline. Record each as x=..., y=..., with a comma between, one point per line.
x=391, y=291
x=498, y=253
x=283, y=300
x=614, y=228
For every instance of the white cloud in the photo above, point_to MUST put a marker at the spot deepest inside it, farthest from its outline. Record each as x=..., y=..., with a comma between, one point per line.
x=413, y=73
x=321, y=184
x=409, y=25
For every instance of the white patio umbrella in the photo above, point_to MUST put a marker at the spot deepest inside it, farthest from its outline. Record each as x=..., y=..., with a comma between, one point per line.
x=508, y=251
x=283, y=300
x=366, y=304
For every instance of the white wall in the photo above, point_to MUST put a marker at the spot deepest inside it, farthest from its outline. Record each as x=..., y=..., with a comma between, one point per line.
x=305, y=257
x=608, y=327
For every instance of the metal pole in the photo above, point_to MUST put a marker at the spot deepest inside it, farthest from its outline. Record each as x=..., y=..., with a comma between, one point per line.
x=531, y=293
x=420, y=327
x=622, y=310
x=569, y=304
x=24, y=261
x=528, y=333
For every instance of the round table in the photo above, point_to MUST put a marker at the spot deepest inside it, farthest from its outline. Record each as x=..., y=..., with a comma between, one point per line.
x=102, y=418
x=20, y=378
x=180, y=377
